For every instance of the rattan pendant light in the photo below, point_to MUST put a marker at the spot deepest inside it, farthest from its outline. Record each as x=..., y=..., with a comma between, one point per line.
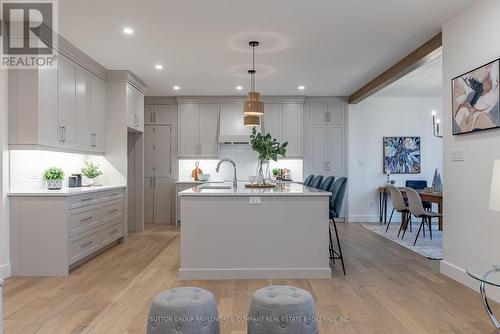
x=253, y=105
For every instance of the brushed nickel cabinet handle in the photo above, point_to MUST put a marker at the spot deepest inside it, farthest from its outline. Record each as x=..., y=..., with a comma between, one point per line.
x=113, y=232
x=86, y=199
x=112, y=211
x=86, y=219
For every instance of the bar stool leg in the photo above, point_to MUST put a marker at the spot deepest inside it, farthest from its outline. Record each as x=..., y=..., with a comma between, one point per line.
x=340, y=256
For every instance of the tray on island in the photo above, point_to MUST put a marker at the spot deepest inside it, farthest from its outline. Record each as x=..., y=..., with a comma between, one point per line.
x=260, y=186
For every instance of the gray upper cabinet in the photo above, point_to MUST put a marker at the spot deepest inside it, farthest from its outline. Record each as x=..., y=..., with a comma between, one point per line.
x=60, y=108
x=135, y=108
x=198, y=130
x=158, y=114
x=285, y=122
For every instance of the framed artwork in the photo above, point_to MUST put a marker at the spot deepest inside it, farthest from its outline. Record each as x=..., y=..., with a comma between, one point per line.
x=475, y=97
x=402, y=155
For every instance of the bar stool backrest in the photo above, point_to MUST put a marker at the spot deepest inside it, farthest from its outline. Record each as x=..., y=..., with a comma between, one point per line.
x=316, y=182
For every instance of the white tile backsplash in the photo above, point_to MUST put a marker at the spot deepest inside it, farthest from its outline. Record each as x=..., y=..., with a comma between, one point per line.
x=27, y=167
x=246, y=164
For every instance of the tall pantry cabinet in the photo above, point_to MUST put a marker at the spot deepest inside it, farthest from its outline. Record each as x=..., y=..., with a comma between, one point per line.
x=158, y=163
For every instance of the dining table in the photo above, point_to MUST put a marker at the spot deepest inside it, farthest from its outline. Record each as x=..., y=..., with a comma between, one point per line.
x=426, y=196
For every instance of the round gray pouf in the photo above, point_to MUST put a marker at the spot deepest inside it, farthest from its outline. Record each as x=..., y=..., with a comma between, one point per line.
x=183, y=310
x=282, y=309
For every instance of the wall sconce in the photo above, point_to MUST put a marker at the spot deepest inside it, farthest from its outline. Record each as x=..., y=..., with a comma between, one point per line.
x=436, y=131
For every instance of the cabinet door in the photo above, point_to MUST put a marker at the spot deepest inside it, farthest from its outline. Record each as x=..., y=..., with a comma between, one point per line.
x=292, y=129
x=84, y=138
x=49, y=122
x=319, y=113
x=148, y=200
x=188, y=131
x=273, y=120
x=335, y=151
x=97, y=113
x=162, y=150
x=162, y=114
x=67, y=100
x=162, y=200
x=149, y=151
x=130, y=101
x=148, y=114
x=318, y=147
x=139, y=110
x=208, y=127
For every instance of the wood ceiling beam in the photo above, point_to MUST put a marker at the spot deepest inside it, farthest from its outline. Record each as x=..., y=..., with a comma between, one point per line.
x=425, y=53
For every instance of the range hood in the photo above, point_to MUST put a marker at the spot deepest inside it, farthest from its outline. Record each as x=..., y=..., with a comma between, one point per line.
x=231, y=128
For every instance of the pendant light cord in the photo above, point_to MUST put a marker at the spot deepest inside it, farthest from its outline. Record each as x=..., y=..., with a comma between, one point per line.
x=253, y=68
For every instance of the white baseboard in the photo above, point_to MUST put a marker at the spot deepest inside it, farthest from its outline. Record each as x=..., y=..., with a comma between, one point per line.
x=264, y=273
x=5, y=270
x=461, y=276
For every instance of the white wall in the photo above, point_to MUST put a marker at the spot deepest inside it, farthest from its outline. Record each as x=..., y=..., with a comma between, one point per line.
x=4, y=180
x=369, y=122
x=471, y=231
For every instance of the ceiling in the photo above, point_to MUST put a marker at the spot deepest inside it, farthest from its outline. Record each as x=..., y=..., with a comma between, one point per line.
x=424, y=81
x=332, y=47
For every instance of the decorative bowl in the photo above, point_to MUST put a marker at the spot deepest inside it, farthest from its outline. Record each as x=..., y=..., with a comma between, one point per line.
x=203, y=177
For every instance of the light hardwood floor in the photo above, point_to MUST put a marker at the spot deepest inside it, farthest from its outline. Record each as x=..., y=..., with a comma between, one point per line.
x=388, y=289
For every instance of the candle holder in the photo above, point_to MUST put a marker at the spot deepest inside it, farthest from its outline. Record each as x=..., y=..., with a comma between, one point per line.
x=436, y=131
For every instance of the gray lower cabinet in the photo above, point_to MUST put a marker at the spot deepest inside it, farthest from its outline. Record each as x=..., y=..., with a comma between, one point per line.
x=52, y=234
x=157, y=200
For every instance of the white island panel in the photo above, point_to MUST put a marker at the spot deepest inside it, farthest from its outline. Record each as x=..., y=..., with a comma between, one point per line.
x=224, y=236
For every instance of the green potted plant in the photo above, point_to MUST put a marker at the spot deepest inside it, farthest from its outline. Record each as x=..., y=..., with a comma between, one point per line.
x=91, y=171
x=268, y=149
x=54, y=177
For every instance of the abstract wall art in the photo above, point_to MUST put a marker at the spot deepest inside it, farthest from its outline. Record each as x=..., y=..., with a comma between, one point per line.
x=475, y=100
x=402, y=155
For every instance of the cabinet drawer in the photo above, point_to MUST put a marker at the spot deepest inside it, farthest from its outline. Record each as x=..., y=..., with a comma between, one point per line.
x=83, y=200
x=83, y=244
x=111, y=195
x=83, y=219
x=112, y=231
x=112, y=211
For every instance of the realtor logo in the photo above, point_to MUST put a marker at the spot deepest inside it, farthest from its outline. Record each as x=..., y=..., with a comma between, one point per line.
x=28, y=35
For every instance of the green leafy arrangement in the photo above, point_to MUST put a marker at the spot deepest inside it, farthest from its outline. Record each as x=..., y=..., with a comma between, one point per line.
x=53, y=173
x=276, y=171
x=267, y=147
x=91, y=170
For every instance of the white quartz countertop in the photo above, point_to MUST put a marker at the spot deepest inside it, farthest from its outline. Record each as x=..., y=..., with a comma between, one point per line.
x=290, y=189
x=64, y=191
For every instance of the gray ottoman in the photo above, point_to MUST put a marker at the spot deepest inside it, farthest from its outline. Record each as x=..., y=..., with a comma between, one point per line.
x=183, y=310
x=282, y=309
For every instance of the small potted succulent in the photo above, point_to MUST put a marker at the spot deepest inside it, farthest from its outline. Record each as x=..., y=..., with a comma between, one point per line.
x=91, y=171
x=54, y=177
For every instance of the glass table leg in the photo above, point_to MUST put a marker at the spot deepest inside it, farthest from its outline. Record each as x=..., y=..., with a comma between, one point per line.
x=487, y=306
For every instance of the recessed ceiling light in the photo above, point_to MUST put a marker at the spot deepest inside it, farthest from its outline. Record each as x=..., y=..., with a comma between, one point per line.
x=128, y=30
x=159, y=66
x=239, y=87
x=177, y=87
x=302, y=87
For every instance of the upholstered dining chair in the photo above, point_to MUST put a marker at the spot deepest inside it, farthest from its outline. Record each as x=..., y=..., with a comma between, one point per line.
x=316, y=182
x=417, y=209
x=398, y=205
x=338, y=190
x=327, y=183
x=308, y=180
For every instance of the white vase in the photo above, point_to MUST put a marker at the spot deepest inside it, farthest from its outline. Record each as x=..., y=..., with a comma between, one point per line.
x=54, y=184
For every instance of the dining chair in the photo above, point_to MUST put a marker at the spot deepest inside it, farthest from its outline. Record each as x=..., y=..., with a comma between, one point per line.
x=327, y=183
x=316, y=182
x=417, y=209
x=338, y=190
x=419, y=185
x=399, y=205
x=308, y=180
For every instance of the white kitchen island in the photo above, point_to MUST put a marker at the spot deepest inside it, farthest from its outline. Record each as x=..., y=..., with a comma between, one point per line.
x=241, y=233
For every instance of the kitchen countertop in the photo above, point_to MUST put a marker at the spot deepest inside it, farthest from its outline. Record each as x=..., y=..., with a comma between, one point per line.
x=291, y=189
x=64, y=191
